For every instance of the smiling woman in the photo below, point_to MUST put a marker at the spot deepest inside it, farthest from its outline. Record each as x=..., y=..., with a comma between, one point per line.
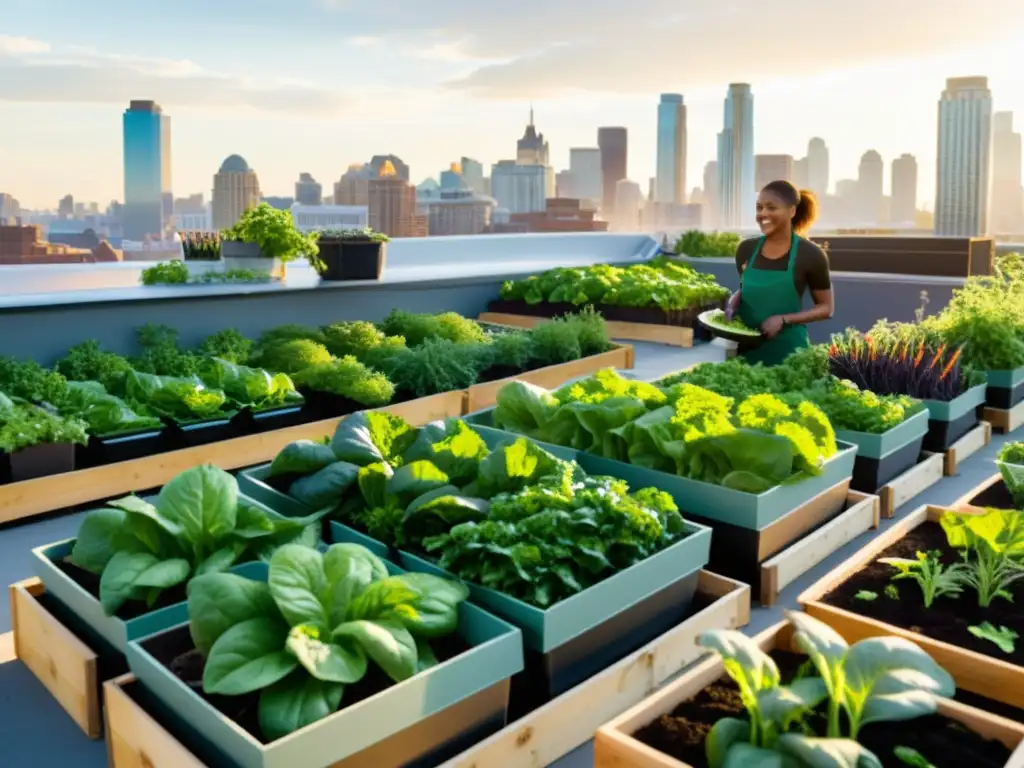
x=776, y=270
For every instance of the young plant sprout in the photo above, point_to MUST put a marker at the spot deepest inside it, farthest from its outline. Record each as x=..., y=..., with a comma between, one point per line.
x=934, y=578
x=1004, y=638
x=992, y=545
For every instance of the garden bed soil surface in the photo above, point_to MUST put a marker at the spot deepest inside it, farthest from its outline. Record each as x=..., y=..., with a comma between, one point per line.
x=176, y=651
x=996, y=495
x=948, y=618
x=132, y=609
x=944, y=741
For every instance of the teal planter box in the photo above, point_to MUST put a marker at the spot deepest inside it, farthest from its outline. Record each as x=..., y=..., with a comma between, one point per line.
x=705, y=500
x=871, y=446
x=1005, y=388
x=495, y=655
x=253, y=483
x=545, y=630
x=958, y=406
x=86, y=608
x=1005, y=379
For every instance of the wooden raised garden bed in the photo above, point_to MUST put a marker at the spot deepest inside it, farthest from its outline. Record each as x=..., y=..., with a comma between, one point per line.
x=916, y=480
x=673, y=335
x=1005, y=420
x=616, y=744
x=966, y=446
x=981, y=673
x=989, y=493
x=139, y=733
x=46, y=494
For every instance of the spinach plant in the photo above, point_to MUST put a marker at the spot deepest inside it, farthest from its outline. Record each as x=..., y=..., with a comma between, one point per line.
x=879, y=679
x=196, y=525
x=933, y=577
x=992, y=544
x=313, y=627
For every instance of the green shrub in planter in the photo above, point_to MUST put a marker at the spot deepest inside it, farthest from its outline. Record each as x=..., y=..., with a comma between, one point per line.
x=276, y=235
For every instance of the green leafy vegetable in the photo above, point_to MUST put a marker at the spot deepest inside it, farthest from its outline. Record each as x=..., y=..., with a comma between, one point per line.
x=992, y=545
x=249, y=387
x=179, y=399
x=934, y=578
x=1004, y=637
x=104, y=414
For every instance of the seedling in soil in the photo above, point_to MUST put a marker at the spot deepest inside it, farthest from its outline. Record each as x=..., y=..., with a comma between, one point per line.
x=866, y=594
x=992, y=543
x=1004, y=637
x=934, y=578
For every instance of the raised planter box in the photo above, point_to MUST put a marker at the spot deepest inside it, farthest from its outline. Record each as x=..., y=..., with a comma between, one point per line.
x=86, y=615
x=673, y=335
x=40, y=461
x=418, y=722
x=189, y=434
x=577, y=637
x=552, y=376
x=704, y=500
x=238, y=255
x=138, y=728
x=950, y=421
x=991, y=493
x=111, y=450
x=352, y=259
x=881, y=458
x=251, y=422
x=976, y=672
x=42, y=495
x=615, y=745
x=1006, y=420
x=1005, y=388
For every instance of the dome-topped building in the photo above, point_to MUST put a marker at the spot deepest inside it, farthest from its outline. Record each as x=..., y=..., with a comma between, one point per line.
x=236, y=189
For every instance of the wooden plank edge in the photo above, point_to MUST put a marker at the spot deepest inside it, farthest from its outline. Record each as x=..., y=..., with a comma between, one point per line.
x=570, y=720
x=42, y=495
x=1006, y=420
x=134, y=738
x=911, y=484
x=967, y=446
x=964, y=502
x=33, y=651
x=807, y=552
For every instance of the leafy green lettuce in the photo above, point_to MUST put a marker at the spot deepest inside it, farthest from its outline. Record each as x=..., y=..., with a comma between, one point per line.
x=249, y=387
x=105, y=414
x=180, y=399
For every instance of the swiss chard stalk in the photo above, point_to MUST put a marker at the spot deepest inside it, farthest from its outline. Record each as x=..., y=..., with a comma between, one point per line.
x=314, y=627
x=197, y=525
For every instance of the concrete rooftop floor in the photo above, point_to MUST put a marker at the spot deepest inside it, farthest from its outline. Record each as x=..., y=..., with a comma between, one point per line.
x=36, y=733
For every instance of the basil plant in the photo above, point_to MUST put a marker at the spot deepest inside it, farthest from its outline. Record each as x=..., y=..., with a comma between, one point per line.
x=876, y=680
x=314, y=627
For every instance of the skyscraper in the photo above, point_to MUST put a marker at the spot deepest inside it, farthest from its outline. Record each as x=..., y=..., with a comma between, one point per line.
x=392, y=203
x=532, y=149
x=964, y=168
x=817, y=167
x=519, y=187
x=904, y=190
x=236, y=189
x=709, y=216
x=870, y=180
x=614, y=145
x=670, y=183
x=585, y=165
x=1007, y=195
x=473, y=174
x=353, y=186
x=736, y=194
x=148, y=201
x=768, y=168
x=308, y=191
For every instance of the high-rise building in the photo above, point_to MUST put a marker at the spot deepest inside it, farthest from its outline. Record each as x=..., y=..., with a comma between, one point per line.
x=236, y=189
x=613, y=144
x=473, y=174
x=9, y=207
x=769, y=168
x=519, y=188
x=903, y=208
x=148, y=201
x=817, y=167
x=377, y=163
x=353, y=188
x=308, y=191
x=629, y=204
x=670, y=184
x=533, y=149
x=963, y=171
x=709, y=214
x=801, y=175
x=1007, y=195
x=585, y=166
x=870, y=180
x=392, y=204
x=736, y=193
x=66, y=207
x=453, y=207
x=566, y=186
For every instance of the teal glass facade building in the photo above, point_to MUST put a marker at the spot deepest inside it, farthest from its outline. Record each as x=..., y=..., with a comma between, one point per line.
x=148, y=199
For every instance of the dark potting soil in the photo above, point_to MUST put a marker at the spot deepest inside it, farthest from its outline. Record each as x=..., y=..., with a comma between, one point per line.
x=945, y=742
x=948, y=618
x=497, y=372
x=90, y=582
x=175, y=650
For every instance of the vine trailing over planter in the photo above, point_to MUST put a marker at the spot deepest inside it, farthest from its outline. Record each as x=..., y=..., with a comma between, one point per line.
x=881, y=679
x=313, y=628
x=196, y=525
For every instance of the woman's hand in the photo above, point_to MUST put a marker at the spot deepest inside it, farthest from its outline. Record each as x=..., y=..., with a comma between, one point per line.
x=732, y=305
x=772, y=326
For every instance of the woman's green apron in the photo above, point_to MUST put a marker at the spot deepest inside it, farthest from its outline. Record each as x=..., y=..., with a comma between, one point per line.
x=764, y=293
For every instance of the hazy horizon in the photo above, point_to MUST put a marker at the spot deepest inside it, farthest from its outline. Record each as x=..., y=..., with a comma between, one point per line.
x=327, y=85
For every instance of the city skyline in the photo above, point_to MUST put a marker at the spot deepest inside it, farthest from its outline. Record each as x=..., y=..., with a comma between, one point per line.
x=287, y=114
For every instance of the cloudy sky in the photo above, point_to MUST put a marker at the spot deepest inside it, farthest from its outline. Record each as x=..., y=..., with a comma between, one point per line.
x=327, y=83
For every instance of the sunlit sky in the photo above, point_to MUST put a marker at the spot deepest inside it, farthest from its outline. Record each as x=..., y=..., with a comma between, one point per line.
x=327, y=83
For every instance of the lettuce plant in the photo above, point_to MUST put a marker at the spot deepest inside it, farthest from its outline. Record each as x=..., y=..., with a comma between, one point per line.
x=196, y=525
x=180, y=399
x=992, y=545
x=249, y=387
x=883, y=679
x=105, y=414
x=314, y=627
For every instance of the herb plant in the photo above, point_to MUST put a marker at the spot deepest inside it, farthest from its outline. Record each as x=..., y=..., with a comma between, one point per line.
x=314, y=627
x=228, y=344
x=356, y=235
x=24, y=425
x=88, y=361
x=291, y=356
x=161, y=353
x=275, y=233
x=200, y=246
x=196, y=525
x=934, y=578
x=698, y=244
x=28, y=380
x=165, y=273
x=349, y=378
x=416, y=329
